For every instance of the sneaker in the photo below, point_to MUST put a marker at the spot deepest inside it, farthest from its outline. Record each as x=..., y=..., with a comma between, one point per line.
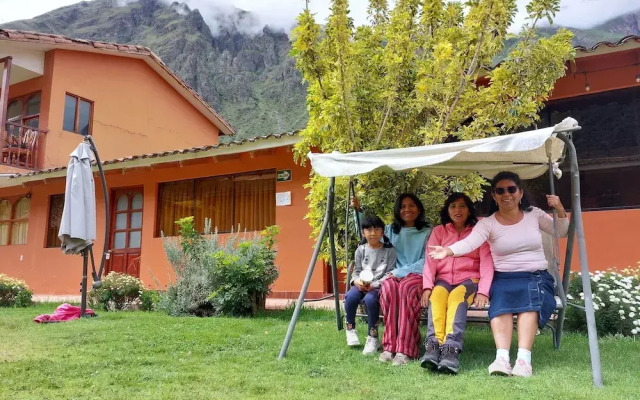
x=449, y=361
x=500, y=366
x=371, y=346
x=386, y=356
x=431, y=356
x=522, y=369
x=400, y=359
x=352, y=338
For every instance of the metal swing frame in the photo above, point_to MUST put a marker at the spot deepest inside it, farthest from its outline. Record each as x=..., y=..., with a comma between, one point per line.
x=576, y=229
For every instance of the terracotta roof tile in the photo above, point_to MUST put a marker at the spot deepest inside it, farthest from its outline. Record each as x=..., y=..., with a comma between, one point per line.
x=167, y=153
x=618, y=43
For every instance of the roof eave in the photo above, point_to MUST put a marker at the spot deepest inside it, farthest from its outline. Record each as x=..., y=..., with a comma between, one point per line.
x=147, y=160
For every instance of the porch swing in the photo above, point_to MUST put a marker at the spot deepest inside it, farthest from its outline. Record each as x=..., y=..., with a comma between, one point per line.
x=529, y=154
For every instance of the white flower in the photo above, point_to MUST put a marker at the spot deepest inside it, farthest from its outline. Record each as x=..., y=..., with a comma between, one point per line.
x=621, y=312
x=595, y=307
x=623, y=317
x=569, y=297
x=634, y=331
x=632, y=314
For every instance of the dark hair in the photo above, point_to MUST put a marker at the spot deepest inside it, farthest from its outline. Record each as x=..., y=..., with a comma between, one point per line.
x=445, y=218
x=397, y=221
x=373, y=221
x=510, y=176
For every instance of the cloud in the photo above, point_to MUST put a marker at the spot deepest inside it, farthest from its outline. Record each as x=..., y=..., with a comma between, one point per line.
x=582, y=14
x=281, y=14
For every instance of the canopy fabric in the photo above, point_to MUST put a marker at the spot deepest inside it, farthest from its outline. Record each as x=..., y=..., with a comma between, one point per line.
x=524, y=153
x=78, y=224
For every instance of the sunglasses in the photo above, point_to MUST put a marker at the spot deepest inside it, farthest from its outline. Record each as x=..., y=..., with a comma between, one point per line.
x=510, y=189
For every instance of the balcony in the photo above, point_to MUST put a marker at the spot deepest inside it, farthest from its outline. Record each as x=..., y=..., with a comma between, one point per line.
x=20, y=146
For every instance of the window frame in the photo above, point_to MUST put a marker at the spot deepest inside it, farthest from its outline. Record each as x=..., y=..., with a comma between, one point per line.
x=12, y=220
x=193, y=181
x=46, y=237
x=76, y=119
x=24, y=118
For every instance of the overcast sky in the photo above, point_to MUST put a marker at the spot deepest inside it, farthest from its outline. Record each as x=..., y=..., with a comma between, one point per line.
x=282, y=13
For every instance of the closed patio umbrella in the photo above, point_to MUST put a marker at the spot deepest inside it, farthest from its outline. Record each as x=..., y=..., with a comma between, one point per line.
x=78, y=225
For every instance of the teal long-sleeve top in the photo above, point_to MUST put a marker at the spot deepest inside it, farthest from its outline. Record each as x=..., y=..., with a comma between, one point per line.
x=410, y=249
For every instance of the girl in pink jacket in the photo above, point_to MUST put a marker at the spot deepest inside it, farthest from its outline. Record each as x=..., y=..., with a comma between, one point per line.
x=452, y=284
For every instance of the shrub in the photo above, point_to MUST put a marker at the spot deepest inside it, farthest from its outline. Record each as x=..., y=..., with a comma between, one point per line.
x=231, y=278
x=149, y=299
x=117, y=292
x=14, y=292
x=245, y=276
x=616, y=301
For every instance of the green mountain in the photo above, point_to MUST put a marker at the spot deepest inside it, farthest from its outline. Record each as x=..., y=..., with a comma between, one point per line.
x=249, y=78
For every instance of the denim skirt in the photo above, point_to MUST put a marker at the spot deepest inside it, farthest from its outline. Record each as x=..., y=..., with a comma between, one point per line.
x=518, y=292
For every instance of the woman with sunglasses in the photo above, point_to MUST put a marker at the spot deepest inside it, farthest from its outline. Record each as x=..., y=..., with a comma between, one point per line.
x=521, y=284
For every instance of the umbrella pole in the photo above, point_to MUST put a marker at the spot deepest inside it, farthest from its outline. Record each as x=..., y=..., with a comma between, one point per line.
x=107, y=219
x=83, y=299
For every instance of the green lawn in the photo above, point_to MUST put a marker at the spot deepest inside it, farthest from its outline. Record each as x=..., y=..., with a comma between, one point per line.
x=137, y=355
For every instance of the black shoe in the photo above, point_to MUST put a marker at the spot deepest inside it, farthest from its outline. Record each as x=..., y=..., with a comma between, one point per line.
x=431, y=356
x=449, y=359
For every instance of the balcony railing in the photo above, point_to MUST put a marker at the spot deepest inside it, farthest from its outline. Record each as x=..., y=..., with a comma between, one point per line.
x=20, y=146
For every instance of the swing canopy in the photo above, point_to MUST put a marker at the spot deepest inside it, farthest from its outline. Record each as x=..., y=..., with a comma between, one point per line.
x=525, y=153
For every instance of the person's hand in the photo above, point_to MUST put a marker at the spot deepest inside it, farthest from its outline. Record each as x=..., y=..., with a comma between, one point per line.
x=355, y=203
x=480, y=301
x=361, y=287
x=555, y=203
x=424, y=301
x=438, y=252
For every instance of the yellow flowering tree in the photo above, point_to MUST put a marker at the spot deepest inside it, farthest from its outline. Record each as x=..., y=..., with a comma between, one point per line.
x=422, y=72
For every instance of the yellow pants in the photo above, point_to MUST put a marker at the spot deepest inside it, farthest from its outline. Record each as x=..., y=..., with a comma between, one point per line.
x=447, y=315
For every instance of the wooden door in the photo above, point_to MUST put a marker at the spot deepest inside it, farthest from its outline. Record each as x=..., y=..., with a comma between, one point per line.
x=126, y=231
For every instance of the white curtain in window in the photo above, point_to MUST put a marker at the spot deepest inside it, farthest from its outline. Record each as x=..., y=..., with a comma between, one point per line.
x=21, y=221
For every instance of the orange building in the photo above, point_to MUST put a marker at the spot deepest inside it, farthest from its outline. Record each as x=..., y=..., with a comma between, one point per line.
x=139, y=112
x=56, y=89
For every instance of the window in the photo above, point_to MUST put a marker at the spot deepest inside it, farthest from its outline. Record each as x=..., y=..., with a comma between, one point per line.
x=77, y=114
x=24, y=110
x=14, y=221
x=245, y=200
x=56, y=205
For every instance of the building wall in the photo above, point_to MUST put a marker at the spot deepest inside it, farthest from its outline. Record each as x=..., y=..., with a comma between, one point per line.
x=48, y=271
x=132, y=104
x=610, y=234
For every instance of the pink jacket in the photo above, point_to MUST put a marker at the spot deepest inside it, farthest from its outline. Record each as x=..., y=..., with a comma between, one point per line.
x=475, y=265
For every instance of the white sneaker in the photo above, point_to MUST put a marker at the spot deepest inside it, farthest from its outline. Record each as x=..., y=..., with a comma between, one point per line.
x=371, y=346
x=352, y=338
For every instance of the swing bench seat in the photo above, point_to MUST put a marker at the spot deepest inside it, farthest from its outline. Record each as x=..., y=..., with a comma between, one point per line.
x=480, y=315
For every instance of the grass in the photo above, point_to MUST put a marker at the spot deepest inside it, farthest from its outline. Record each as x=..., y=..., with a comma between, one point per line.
x=137, y=355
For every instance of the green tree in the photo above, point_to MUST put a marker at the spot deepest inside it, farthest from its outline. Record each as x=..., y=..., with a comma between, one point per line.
x=421, y=73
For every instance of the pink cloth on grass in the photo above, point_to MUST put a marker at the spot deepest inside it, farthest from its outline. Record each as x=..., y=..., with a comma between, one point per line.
x=64, y=312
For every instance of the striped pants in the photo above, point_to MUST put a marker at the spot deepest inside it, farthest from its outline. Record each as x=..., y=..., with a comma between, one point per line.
x=400, y=303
